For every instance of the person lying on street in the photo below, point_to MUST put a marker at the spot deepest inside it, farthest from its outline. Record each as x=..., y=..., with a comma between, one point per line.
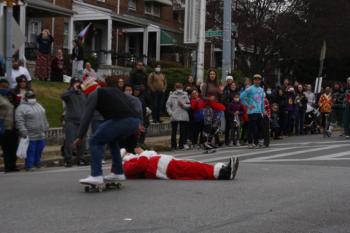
x=152, y=165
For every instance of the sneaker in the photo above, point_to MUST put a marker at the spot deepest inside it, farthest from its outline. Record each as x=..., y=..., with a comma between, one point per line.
x=251, y=146
x=234, y=169
x=207, y=146
x=92, y=180
x=68, y=164
x=238, y=144
x=104, y=161
x=30, y=169
x=225, y=173
x=186, y=147
x=347, y=136
x=115, y=177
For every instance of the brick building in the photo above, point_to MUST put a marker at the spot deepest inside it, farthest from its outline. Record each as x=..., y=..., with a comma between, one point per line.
x=150, y=30
x=121, y=30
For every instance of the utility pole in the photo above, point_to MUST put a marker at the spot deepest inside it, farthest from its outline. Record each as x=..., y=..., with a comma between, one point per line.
x=227, y=39
x=9, y=39
x=201, y=42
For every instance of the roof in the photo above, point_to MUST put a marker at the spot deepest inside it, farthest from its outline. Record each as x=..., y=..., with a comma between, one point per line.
x=164, y=2
x=49, y=7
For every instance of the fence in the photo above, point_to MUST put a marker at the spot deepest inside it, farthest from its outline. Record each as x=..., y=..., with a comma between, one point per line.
x=56, y=135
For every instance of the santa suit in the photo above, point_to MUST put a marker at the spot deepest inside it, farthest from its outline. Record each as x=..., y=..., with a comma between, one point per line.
x=151, y=165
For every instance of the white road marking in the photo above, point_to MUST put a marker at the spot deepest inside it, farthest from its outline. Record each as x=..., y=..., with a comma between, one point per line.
x=256, y=152
x=293, y=153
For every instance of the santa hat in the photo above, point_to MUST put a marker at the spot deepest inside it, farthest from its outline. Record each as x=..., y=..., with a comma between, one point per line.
x=89, y=85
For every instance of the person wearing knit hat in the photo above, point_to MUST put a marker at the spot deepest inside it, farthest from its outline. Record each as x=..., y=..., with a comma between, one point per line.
x=227, y=98
x=74, y=100
x=253, y=99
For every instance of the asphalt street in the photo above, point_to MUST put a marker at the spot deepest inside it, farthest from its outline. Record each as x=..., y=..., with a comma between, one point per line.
x=297, y=185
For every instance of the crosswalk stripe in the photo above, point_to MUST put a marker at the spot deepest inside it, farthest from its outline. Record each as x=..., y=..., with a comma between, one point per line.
x=300, y=160
x=331, y=156
x=260, y=159
x=247, y=154
x=309, y=143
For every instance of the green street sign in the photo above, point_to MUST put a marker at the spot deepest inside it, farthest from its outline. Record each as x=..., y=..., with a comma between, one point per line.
x=211, y=33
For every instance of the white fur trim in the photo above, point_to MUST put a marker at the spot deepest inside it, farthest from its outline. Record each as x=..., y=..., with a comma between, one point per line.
x=122, y=152
x=129, y=156
x=217, y=168
x=149, y=153
x=162, y=166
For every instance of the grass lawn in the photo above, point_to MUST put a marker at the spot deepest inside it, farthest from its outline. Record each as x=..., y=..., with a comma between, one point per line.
x=48, y=95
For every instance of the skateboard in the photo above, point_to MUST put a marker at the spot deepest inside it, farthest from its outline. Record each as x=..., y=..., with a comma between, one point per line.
x=210, y=151
x=102, y=187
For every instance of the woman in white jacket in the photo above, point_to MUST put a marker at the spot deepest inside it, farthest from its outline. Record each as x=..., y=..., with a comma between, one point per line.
x=31, y=122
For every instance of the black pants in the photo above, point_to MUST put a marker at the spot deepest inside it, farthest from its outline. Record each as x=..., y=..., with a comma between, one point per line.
x=195, y=132
x=183, y=133
x=244, y=134
x=228, y=121
x=9, y=143
x=255, y=128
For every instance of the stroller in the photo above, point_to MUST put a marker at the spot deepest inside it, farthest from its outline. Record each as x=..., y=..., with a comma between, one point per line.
x=312, y=119
x=211, y=127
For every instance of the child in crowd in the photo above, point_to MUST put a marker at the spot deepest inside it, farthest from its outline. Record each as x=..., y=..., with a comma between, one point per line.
x=235, y=110
x=197, y=105
x=325, y=103
x=212, y=114
x=275, y=119
x=177, y=107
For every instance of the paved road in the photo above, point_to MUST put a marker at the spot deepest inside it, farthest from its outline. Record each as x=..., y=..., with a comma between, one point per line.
x=298, y=185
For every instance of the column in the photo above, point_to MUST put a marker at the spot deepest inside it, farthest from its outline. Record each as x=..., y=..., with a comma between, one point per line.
x=145, y=45
x=70, y=34
x=109, y=42
x=22, y=25
x=158, y=46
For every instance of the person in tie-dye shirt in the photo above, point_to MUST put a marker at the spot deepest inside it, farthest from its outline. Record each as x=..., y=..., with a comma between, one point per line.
x=253, y=99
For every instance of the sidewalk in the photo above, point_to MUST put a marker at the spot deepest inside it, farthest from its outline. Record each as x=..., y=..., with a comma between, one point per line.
x=52, y=154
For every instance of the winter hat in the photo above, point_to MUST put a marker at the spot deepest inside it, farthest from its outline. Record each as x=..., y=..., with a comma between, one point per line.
x=257, y=76
x=21, y=78
x=229, y=77
x=74, y=80
x=89, y=85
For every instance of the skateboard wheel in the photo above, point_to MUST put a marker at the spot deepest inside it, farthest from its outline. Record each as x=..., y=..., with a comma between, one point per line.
x=119, y=185
x=87, y=189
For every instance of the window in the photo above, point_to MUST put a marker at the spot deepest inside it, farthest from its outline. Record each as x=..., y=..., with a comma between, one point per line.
x=66, y=33
x=132, y=5
x=152, y=8
x=34, y=30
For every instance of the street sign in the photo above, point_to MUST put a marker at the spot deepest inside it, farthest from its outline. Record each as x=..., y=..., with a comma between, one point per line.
x=18, y=36
x=218, y=33
x=211, y=33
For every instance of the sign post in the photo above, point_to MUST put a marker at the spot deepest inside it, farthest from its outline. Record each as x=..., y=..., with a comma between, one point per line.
x=9, y=14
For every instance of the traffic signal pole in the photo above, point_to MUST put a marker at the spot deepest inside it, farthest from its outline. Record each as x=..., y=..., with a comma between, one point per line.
x=227, y=39
x=201, y=42
x=9, y=38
